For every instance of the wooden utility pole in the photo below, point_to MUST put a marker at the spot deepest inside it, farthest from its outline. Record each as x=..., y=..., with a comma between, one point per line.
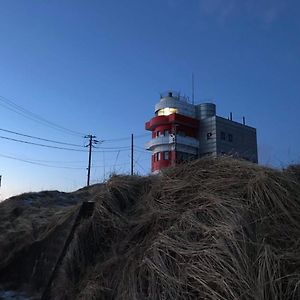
x=85, y=211
x=90, y=145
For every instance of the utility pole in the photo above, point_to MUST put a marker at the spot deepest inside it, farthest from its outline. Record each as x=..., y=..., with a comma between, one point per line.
x=131, y=172
x=92, y=141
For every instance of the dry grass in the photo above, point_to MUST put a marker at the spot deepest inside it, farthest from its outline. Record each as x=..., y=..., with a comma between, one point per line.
x=29, y=217
x=211, y=229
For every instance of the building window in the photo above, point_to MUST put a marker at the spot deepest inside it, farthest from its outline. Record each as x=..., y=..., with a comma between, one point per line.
x=157, y=158
x=167, y=111
x=223, y=136
x=206, y=154
x=157, y=133
x=230, y=138
x=209, y=135
x=166, y=155
x=166, y=132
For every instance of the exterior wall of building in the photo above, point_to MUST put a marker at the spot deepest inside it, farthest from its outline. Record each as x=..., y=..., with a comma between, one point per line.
x=159, y=160
x=207, y=136
x=168, y=131
x=181, y=130
x=173, y=119
x=236, y=139
x=205, y=110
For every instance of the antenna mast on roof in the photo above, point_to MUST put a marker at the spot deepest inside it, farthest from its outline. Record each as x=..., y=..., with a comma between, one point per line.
x=193, y=89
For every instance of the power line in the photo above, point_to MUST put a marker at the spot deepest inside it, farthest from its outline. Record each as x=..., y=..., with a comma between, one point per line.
x=39, y=138
x=114, y=148
x=56, y=161
x=40, y=164
x=115, y=165
x=116, y=159
x=127, y=138
x=41, y=145
x=9, y=104
x=143, y=151
x=111, y=151
x=139, y=147
x=55, y=147
x=136, y=162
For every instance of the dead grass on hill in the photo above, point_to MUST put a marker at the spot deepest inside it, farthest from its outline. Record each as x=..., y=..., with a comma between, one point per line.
x=29, y=217
x=211, y=229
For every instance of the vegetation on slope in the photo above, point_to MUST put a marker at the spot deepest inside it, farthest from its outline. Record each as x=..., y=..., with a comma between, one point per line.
x=209, y=229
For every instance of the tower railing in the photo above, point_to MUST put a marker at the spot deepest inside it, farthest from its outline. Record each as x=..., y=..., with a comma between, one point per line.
x=174, y=95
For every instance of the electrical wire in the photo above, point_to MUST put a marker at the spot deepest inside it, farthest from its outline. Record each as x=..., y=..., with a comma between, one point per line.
x=60, y=148
x=137, y=163
x=111, y=151
x=55, y=161
x=40, y=164
x=9, y=104
x=39, y=138
x=117, y=165
x=114, y=148
x=127, y=138
x=116, y=159
x=143, y=151
x=41, y=145
x=141, y=148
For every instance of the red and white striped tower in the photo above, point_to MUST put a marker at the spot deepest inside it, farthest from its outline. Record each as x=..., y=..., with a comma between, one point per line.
x=174, y=131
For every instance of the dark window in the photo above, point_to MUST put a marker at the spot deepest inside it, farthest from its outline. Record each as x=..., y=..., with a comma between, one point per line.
x=206, y=154
x=166, y=155
x=209, y=135
x=157, y=133
x=223, y=136
x=230, y=137
x=180, y=156
x=166, y=132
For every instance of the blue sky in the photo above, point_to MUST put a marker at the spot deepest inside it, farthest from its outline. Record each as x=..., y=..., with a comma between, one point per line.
x=99, y=66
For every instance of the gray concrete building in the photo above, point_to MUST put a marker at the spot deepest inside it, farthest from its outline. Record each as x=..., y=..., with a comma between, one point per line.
x=220, y=136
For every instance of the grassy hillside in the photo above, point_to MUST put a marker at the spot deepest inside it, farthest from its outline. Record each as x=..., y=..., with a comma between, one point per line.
x=210, y=229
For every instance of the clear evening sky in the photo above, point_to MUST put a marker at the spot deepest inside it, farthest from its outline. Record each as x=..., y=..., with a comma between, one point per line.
x=98, y=67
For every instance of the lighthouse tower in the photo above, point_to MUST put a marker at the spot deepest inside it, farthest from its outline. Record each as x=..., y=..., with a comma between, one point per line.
x=182, y=131
x=174, y=131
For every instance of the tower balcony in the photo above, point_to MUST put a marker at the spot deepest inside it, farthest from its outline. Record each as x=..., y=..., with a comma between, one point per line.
x=171, y=119
x=170, y=139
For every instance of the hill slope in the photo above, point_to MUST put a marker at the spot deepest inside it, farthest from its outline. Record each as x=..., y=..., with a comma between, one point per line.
x=210, y=229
